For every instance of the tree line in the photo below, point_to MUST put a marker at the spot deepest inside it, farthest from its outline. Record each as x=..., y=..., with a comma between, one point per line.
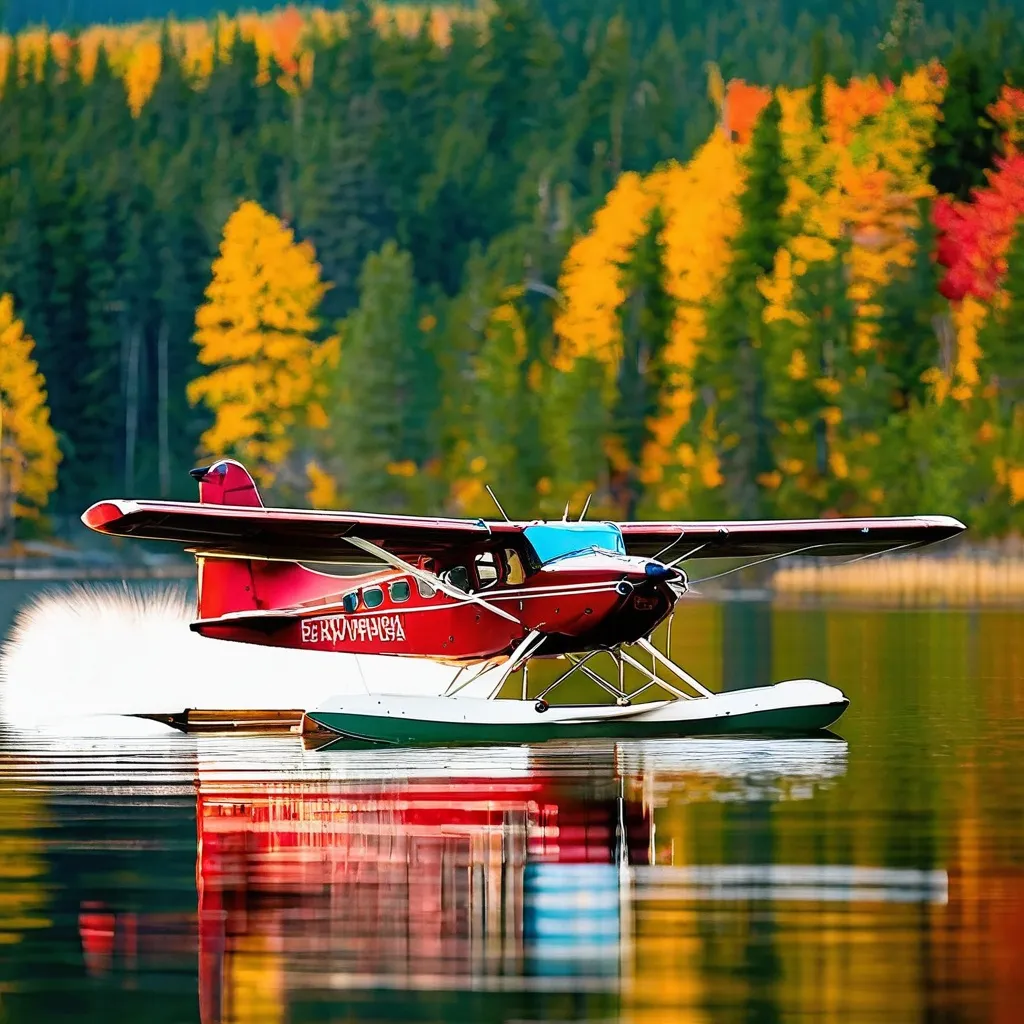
x=557, y=250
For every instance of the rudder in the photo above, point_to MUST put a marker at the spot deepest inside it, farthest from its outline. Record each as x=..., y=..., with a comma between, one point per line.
x=226, y=482
x=225, y=584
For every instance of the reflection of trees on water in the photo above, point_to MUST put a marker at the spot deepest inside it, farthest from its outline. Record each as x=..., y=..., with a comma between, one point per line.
x=518, y=885
x=703, y=879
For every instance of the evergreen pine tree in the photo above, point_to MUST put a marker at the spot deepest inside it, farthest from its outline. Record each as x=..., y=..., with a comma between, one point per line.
x=912, y=308
x=342, y=202
x=646, y=319
x=730, y=374
x=1002, y=340
x=376, y=381
x=504, y=407
x=966, y=140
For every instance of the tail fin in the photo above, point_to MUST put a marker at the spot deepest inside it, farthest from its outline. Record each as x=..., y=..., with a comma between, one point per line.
x=240, y=584
x=225, y=584
x=226, y=483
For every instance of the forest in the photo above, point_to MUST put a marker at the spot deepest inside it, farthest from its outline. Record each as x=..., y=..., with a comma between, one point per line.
x=729, y=259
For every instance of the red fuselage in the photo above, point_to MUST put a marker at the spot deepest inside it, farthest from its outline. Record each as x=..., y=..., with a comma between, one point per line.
x=590, y=600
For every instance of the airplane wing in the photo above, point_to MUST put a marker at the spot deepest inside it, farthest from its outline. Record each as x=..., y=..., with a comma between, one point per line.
x=291, y=534
x=756, y=538
x=319, y=536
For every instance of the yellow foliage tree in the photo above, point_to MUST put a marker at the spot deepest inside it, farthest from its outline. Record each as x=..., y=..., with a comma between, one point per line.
x=254, y=331
x=698, y=203
x=28, y=444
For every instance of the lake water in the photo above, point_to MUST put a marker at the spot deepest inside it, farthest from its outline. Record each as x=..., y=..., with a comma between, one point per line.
x=876, y=873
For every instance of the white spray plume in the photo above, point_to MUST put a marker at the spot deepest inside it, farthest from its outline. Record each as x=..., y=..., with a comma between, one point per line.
x=109, y=649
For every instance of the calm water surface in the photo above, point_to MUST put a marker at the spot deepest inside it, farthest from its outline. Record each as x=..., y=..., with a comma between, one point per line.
x=877, y=874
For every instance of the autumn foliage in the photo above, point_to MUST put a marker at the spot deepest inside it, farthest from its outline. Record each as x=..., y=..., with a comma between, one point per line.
x=394, y=253
x=29, y=455
x=279, y=38
x=255, y=331
x=857, y=183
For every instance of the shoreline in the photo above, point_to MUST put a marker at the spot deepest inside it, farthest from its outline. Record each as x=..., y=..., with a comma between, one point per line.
x=73, y=573
x=984, y=577
x=980, y=576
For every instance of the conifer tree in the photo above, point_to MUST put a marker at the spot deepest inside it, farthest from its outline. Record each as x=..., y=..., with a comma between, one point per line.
x=576, y=420
x=254, y=331
x=1002, y=339
x=29, y=453
x=375, y=425
x=646, y=318
x=908, y=328
x=966, y=140
x=342, y=202
x=730, y=374
x=504, y=408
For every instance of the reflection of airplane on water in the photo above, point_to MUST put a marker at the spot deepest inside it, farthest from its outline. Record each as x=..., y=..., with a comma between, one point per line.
x=513, y=871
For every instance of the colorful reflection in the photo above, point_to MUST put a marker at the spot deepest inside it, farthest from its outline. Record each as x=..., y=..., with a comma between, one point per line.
x=879, y=876
x=517, y=885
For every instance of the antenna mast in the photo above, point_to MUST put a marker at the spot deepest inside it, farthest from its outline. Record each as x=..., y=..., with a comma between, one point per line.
x=496, y=502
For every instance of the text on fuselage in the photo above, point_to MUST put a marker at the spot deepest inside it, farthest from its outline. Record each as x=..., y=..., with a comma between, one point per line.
x=338, y=629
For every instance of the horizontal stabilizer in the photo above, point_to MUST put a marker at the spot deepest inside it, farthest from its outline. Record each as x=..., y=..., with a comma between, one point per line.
x=261, y=621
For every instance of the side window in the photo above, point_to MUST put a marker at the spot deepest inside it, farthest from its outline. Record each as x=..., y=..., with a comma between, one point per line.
x=399, y=591
x=458, y=577
x=350, y=602
x=373, y=597
x=516, y=572
x=487, y=569
x=424, y=589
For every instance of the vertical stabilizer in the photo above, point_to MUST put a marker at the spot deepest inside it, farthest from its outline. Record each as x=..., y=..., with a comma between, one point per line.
x=225, y=584
x=226, y=483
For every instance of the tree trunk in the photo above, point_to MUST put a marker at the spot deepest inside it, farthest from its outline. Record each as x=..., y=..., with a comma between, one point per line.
x=162, y=425
x=131, y=409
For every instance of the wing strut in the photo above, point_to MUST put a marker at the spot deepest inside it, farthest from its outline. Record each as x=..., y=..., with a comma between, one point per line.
x=428, y=577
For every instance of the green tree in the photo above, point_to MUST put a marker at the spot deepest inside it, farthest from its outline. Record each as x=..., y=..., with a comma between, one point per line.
x=730, y=373
x=1002, y=340
x=966, y=140
x=913, y=314
x=379, y=423
x=646, y=318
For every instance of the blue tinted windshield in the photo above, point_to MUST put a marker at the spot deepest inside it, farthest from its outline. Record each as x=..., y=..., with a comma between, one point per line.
x=556, y=540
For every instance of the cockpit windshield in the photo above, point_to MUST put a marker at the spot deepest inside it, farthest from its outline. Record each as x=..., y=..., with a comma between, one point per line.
x=558, y=540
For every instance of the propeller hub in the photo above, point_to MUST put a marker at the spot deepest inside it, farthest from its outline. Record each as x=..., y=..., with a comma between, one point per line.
x=659, y=571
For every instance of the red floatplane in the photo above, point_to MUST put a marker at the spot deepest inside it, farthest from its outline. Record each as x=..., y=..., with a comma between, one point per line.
x=487, y=598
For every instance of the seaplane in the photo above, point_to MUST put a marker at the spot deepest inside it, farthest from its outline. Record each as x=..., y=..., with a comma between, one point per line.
x=487, y=599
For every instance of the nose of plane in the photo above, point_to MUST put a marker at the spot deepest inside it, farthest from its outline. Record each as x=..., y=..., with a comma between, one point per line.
x=657, y=571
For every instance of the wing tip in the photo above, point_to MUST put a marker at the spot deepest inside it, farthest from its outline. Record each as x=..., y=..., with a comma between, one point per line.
x=99, y=516
x=946, y=522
